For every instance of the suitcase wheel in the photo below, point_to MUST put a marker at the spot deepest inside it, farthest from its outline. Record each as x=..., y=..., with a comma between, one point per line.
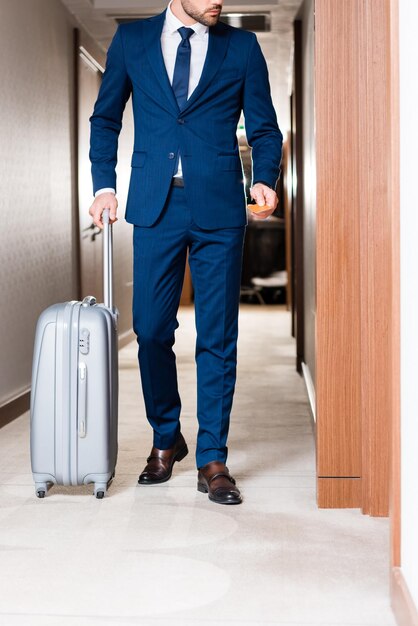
x=41, y=489
x=100, y=490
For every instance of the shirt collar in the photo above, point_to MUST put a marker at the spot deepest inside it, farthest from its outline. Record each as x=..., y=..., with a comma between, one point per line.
x=172, y=23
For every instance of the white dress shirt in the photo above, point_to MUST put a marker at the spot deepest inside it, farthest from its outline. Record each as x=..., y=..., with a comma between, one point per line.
x=170, y=39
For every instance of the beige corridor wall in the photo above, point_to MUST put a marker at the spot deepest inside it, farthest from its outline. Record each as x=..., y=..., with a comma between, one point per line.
x=36, y=257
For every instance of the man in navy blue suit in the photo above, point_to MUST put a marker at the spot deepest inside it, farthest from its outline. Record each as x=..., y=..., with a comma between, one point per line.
x=190, y=77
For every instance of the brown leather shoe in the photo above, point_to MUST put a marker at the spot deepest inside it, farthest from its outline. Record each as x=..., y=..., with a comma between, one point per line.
x=215, y=480
x=160, y=463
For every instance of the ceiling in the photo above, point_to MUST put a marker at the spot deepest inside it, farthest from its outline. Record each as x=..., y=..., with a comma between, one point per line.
x=98, y=18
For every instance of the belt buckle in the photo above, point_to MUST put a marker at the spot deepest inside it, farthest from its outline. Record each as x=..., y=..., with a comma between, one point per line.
x=177, y=181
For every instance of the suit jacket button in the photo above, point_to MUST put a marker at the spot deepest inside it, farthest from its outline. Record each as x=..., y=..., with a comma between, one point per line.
x=171, y=155
x=180, y=120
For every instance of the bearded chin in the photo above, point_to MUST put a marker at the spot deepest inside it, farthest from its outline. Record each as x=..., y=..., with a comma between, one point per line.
x=199, y=17
x=207, y=21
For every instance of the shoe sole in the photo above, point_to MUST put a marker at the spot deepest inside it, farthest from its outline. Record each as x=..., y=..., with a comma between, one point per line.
x=183, y=452
x=203, y=489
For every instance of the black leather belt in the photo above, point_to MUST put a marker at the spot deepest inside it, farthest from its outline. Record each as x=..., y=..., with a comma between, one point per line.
x=176, y=181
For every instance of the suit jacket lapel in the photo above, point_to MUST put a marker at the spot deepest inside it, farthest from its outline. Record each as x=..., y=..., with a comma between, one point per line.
x=152, y=43
x=217, y=47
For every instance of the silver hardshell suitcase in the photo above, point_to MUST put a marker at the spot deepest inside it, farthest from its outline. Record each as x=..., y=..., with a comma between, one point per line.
x=74, y=394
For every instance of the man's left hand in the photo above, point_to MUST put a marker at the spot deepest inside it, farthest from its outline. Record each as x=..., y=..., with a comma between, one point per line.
x=264, y=195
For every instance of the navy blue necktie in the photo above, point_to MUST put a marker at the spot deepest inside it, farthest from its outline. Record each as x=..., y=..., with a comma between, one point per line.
x=182, y=67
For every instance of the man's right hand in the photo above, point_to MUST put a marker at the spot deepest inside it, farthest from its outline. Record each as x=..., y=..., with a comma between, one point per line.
x=104, y=201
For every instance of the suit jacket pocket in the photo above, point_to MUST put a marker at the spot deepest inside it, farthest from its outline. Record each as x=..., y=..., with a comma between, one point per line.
x=138, y=158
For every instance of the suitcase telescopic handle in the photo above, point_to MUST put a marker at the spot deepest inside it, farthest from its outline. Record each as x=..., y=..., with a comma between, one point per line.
x=107, y=260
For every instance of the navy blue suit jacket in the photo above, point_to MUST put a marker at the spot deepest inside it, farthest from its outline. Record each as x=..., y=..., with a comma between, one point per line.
x=234, y=78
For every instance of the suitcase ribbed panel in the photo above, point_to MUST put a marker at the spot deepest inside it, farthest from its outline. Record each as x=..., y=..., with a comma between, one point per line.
x=42, y=399
x=60, y=376
x=64, y=393
x=73, y=409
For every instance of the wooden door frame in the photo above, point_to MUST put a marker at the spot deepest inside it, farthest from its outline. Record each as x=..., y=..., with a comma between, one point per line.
x=395, y=468
x=405, y=610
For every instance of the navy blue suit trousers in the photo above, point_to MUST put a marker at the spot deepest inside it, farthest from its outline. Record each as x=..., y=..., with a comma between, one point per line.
x=215, y=259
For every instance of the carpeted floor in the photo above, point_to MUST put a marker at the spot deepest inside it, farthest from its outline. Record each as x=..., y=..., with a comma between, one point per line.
x=166, y=554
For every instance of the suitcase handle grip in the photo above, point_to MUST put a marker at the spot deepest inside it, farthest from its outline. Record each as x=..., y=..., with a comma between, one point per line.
x=107, y=260
x=88, y=301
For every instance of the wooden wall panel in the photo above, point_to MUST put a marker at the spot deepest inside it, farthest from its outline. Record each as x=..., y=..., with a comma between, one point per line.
x=338, y=326
x=339, y=493
x=186, y=297
x=375, y=253
x=356, y=227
